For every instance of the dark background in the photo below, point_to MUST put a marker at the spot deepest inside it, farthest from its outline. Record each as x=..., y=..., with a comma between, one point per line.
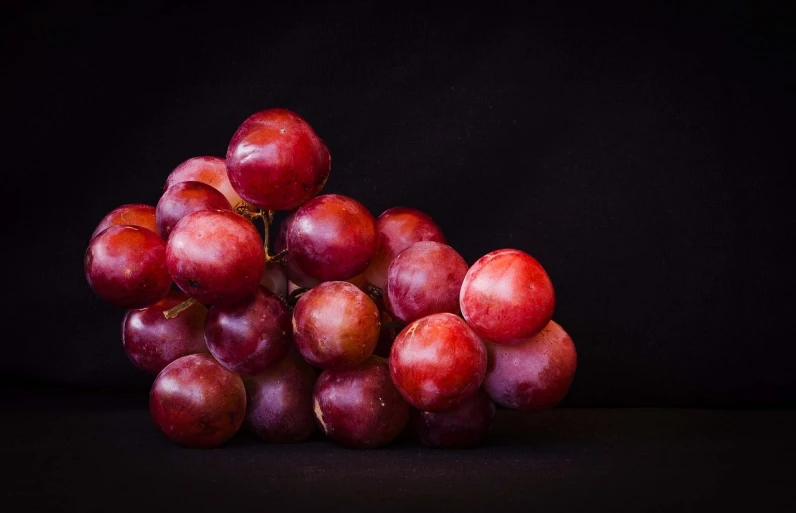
x=642, y=154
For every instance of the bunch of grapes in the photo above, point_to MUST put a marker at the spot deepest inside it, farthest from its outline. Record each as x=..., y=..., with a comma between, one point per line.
x=358, y=326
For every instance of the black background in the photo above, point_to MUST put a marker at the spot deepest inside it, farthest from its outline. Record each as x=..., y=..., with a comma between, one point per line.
x=642, y=154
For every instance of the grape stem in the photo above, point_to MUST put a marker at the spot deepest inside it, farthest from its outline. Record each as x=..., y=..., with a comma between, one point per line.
x=173, y=312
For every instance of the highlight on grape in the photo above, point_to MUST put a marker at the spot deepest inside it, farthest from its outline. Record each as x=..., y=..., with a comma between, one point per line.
x=337, y=321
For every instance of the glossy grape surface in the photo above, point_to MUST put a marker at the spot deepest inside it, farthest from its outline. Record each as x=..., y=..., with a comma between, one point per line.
x=126, y=266
x=186, y=198
x=460, y=427
x=276, y=161
x=209, y=170
x=196, y=402
x=134, y=214
x=360, y=407
x=216, y=257
x=507, y=297
x=437, y=362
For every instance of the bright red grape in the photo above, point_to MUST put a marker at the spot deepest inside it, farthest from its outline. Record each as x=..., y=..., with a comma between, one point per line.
x=424, y=279
x=196, y=402
x=437, y=362
x=249, y=336
x=126, y=266
x=216, y=257
x=507, y=297
x=399, y=228
x=332, y=237
x=360, y=407
x=533, y=375
x=134, y=214
x=335, y=325
x=186, y=198
x=276, y=161
x=209, y=170
x=463, y=426
x=151, y=341
x=279, y=401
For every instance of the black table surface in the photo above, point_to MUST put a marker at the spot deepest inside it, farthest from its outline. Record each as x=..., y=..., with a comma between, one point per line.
x=101, y=453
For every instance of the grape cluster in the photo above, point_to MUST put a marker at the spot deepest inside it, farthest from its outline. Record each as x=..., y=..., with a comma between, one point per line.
x=356, y=325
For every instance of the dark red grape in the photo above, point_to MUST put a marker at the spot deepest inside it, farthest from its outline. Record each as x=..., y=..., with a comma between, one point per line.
x=437, y=362
x=360, y=407
x=133, y=215
x=533, y=375
x=216, y=257
x=276, y=161
x=196, y=402
x=507, y=297
x=463, y=426
x=249, y=336
x=126, y=266
x=399, y=228
x=279, y=401
x=209, y=170
x=151, y=341
x=186, y=198
x=424, y=279
x=335, y=325
x=332, y=237
x=387, y=333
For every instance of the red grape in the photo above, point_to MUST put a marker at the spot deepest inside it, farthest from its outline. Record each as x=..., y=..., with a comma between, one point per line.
x=437, y=362
x=335, y=325
x=279, y=401
x=275, y=279
x=294, y=273
x=276, y=161
x=134, y=215
x=399, y=228
x=360, y=407
x=151, y=341
x=463, y=426
x=185, y=198
x=507, y=297
x=332, y=237
x=424, y=279
x=196, y=402
x=533, y=375
x=216, y=256
x=249, y=336
x=209, y=170
x=126, y=266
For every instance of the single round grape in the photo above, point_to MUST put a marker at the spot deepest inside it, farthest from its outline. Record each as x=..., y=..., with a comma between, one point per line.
x=360, y=407
x=275, y=279
x=437, y=362
x=533, y=375
x=249, y=336
x=399, y=228
x=332, y=237
x=507, y=297
x=279, y=401
x=463, y=426
x=209, y=170
x=186, y=198
x=216, y=257
x=424, y=279
x=134, y=215
x=196, y=402
x=294, y=273
x=151, y=341
x=335, y=325
x=126, y=266
x=276, y=161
